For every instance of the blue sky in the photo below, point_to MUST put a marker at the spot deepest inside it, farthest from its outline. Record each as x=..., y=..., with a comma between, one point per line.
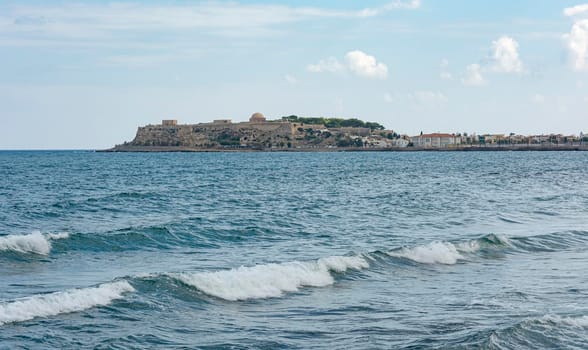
x=85, y=74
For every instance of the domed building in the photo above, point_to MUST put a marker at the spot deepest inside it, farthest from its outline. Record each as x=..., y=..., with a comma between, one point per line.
x=257, y=118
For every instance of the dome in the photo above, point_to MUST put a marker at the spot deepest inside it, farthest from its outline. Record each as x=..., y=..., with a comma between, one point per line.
x=257, y=117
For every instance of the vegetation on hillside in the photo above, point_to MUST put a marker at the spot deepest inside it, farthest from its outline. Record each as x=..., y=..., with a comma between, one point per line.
x=335, y=122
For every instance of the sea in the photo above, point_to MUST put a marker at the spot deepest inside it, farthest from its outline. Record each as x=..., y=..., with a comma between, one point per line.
x=269, y=250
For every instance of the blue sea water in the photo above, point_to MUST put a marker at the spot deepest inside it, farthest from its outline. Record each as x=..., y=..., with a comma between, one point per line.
x=476, y=250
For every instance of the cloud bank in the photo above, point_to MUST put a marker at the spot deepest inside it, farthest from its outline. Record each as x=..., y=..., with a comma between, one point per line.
x=103, y=21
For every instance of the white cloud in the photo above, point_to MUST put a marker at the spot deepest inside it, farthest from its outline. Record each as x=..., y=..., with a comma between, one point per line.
x=331, y=65
x=505, y=55
x=473, y=76
x=395, y=5
x=356, y=62
x=105, y=21
x=504, y=58
x=291, y=79
x=577, y=45
x=575, y=10
x=365, y=66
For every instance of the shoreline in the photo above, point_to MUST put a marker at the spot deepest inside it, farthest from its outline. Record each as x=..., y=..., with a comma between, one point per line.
x=179, y=149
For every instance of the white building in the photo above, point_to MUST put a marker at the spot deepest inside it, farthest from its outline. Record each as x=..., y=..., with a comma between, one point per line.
x=436, y=140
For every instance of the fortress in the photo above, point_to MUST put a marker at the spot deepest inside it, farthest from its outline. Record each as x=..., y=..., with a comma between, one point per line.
x=222, y=134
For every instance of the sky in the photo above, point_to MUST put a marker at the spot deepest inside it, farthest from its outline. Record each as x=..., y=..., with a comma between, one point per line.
x=86, y=74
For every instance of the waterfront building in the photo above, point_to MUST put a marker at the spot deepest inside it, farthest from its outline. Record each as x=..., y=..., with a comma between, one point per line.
x=435, y=140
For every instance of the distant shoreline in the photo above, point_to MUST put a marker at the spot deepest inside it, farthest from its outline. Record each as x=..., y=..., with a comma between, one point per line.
x=501, y=148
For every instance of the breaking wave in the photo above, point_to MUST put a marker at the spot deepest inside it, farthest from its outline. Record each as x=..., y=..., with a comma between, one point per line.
x=270, y=280
x=432, y=253
x=34, y=243
x=450, y=253
x=57, y=303
x=446, y=253
x=55, y=236
x=578, y=322
x=275, y=279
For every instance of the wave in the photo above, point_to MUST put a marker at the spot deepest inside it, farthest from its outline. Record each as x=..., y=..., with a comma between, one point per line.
x=270, y=280
x=57, y=303
x=432, y=253
x=447, y=253
x=577, y=322
x=545, y=332
x=551, y=242
x=56, y=236
x=34, y=243
x=166, y=236
x=153, y=238
x=95, y=203
x=276, y=279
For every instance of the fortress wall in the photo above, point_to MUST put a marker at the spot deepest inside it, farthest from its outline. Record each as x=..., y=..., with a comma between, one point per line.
x=206, y=135
x=263, y=127
x=159, y=135
x=307, y=126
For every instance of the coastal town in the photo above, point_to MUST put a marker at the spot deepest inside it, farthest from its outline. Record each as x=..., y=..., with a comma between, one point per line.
x=292, y=133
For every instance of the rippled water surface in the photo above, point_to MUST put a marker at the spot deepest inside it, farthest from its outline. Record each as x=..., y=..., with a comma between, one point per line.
x=294, y=250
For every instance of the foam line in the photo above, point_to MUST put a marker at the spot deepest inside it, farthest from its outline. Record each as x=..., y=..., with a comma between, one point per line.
x=437, y=252
x=271, y=280
x=73, y=300
x=32, y=243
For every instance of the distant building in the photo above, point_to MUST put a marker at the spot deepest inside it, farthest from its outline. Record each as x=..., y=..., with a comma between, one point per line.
x=400, y=142
x=257, y=118
x=222, y=121
x=437, y=140
x=169, y=122
x=493, y=138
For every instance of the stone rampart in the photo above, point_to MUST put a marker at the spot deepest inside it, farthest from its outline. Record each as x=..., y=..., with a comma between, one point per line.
x=211, y=135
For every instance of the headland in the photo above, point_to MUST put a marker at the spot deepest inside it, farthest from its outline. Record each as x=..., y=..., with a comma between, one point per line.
x=293, y=133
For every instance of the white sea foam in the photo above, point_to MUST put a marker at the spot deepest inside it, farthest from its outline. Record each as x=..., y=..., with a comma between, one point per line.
x=434, y=253
x=504, y=240
x=32, y=243
x=501, y=239
x=468, y=247
x=271, y=280
x=55, y=236
x=36, y=242
x=73, y=300
x=579, y=322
